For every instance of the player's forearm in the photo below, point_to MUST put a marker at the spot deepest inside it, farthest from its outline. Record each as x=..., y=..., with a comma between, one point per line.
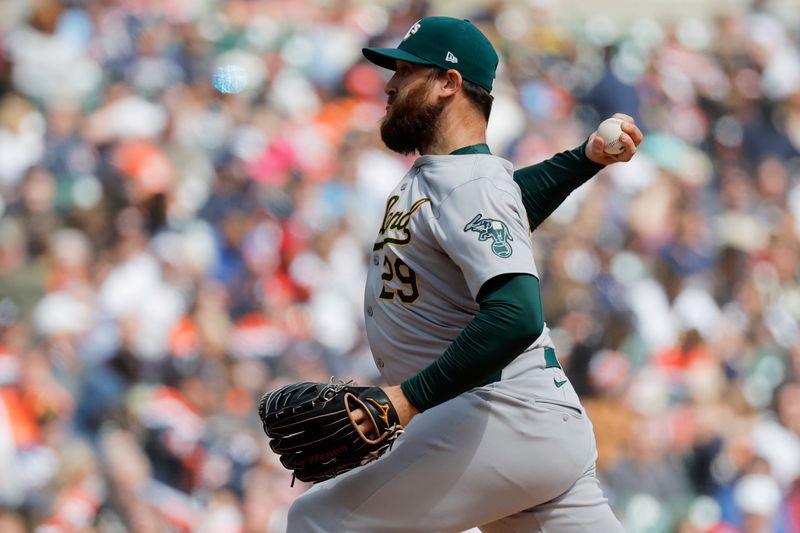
x=510, y=319
x=546, y=185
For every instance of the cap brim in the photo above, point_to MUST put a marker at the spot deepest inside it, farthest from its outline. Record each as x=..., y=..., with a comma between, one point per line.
x=387, y=57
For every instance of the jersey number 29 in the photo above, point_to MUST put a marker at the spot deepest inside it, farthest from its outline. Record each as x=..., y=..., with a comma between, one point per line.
x=407, y=294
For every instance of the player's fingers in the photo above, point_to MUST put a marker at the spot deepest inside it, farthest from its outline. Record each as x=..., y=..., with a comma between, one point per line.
x=633, y=131
x=367, y=429
x=629, y=148
x=363, y=423
x=358, y=415
x=623, y=117
x=596, y=143
x=594, y=149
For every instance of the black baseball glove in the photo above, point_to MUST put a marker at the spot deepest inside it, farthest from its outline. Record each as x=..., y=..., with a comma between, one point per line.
x=311, y=427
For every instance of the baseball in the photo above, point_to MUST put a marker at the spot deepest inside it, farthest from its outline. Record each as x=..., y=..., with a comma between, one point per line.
x=610, y=130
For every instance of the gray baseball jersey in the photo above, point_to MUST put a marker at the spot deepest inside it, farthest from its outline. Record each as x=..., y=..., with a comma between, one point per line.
x=516, y=455
x=451, y=224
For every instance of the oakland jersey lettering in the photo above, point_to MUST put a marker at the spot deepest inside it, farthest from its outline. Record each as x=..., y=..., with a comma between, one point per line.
x=394, y=228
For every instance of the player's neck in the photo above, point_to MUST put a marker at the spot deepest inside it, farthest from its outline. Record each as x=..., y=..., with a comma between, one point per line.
x=456, y=130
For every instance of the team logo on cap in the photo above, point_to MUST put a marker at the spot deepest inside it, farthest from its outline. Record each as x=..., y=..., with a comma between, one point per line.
x=489, y=228
x=414, y=29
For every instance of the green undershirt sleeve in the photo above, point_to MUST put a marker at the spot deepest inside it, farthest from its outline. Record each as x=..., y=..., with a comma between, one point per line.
x=546, y=185
x=509, y=320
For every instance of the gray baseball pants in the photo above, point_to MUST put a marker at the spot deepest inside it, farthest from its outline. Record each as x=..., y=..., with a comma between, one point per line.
x=515, y=456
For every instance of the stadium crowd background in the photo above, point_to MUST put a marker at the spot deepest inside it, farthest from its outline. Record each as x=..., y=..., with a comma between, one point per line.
x=189, y=190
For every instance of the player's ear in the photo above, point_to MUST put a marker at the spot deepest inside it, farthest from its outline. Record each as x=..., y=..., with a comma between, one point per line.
x=452, y=82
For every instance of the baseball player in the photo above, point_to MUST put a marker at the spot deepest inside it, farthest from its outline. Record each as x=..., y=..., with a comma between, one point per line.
x=495, y=436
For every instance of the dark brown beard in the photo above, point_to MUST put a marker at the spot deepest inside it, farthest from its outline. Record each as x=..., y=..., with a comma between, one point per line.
x=411, y=123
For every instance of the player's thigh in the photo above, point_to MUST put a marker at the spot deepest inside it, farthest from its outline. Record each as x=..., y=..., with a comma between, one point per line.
x=403, y=489
x=581, y=509
x=474, y=459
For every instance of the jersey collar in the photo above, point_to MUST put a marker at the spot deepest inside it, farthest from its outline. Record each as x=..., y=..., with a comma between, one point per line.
x=473, y=149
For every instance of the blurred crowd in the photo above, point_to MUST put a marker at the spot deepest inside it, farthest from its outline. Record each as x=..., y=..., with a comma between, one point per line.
x=189, y=192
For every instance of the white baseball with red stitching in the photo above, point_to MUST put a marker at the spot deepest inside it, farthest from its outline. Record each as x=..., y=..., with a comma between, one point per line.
x=610, y=130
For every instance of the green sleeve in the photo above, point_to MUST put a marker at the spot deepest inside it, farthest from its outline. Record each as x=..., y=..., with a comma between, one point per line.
x=509, y=320
x=546, y=185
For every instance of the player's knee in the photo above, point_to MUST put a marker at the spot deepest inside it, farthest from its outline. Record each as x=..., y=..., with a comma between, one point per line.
x=309, y=515
x=300, y=516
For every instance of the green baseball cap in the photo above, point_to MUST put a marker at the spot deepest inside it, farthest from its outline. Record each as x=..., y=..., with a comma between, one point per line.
x=445, y=42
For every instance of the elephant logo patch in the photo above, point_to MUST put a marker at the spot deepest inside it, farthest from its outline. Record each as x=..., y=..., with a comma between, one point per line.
x=496, y=230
